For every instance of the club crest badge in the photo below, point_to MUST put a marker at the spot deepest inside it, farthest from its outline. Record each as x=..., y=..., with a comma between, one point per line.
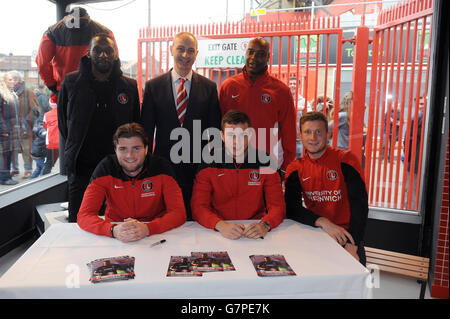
x=265, y=98
x=122, y=98
x=147, y=186
x=254, y=176
x=332, y=175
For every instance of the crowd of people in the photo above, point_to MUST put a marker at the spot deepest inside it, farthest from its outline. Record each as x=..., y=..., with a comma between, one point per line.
x=24, y=128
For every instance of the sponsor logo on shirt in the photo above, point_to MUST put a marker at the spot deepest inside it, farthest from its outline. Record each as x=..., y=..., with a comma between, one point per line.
x=324, y=195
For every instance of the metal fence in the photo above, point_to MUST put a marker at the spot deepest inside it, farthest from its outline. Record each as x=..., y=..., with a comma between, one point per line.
x=310, y=53
x=399, y=79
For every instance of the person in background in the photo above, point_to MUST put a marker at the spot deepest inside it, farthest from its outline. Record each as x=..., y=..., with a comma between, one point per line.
x=179, y=99
x=93, y=102
x=42, y=98
x=391, y=123
x=8, y=99
x=320, y=105
x=326, y=188
x=142, y=195
x=295, y=86
x=237, y=187
x=267, y=101
x=414, y=161
x=50, y=123
x=63, y=44
x=27, y=111
x=343, y=121
x=38, y=150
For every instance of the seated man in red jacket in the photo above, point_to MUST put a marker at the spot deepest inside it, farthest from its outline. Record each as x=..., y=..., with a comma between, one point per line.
x=330, y=183
x=140, y=191
x=238, y=186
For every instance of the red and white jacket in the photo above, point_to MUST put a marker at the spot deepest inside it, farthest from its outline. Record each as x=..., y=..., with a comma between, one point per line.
x=331, y=186
x=62, y=47
x=153, y=197
x=230, y=191
x=269, y=104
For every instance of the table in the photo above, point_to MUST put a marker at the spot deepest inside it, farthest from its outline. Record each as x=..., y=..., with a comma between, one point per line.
x=55, y=266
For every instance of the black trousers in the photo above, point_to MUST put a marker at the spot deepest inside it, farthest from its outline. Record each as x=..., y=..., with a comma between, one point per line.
x=77, y=185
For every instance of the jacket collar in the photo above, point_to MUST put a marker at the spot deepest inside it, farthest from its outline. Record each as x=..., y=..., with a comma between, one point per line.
x=227, y=160
x=320, y=159
x=259, y=79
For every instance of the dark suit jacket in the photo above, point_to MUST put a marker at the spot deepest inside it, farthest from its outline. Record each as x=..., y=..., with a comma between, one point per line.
x=159, y=112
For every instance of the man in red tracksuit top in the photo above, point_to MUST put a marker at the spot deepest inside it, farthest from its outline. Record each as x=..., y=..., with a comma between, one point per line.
x=63, y=45
x=140, y=190
x=331, y=183
x=237, y=187
x=266, y=100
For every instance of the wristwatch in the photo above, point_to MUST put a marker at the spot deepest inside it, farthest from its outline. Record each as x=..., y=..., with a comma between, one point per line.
x=266, y=225
x=112, y=230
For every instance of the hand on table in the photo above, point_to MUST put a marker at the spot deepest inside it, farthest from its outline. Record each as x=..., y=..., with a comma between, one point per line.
x=230, y=230
x=336, y=232
x=236, y=230
x=255, y=230
x=130, y=230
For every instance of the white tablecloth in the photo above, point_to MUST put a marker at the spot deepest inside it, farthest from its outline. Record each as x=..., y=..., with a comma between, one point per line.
x=55, y=266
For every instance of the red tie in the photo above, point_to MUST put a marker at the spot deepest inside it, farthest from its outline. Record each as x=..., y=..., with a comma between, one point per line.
x=182, y=101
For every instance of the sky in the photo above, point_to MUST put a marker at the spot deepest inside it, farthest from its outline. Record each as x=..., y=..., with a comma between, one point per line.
x=23, y=22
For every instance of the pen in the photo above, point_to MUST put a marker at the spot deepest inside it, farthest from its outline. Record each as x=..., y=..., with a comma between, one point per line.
x=158, y=242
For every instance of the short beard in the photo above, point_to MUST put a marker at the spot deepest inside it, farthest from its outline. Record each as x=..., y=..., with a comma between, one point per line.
x=102, y=69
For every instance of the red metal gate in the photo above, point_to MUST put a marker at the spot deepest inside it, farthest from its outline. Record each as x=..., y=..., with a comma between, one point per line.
x=299, y=48
x=311, y=51
x=394, y=145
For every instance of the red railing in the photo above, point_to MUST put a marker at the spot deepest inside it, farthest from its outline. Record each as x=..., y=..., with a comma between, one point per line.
x=393, y=141
x=399, y=76
x=284, y=61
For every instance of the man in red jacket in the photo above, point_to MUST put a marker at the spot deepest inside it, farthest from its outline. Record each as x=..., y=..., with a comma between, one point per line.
x=63, y=45
x=267, y=101
x=330, y=183
x=238, y=186
x=140, y=190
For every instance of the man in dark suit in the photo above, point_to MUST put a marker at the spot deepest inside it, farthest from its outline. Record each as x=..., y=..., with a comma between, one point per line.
x=181, y=100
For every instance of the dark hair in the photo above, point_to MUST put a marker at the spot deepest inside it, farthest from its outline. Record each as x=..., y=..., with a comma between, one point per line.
x=102, y=37
x=130, y=130
x=81, y=11
x=313, y=116
x=235, y=117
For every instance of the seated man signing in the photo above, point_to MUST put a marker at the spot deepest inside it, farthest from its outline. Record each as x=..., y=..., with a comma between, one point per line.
x=331, y=183
x=140, y=191
x=238, y=186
